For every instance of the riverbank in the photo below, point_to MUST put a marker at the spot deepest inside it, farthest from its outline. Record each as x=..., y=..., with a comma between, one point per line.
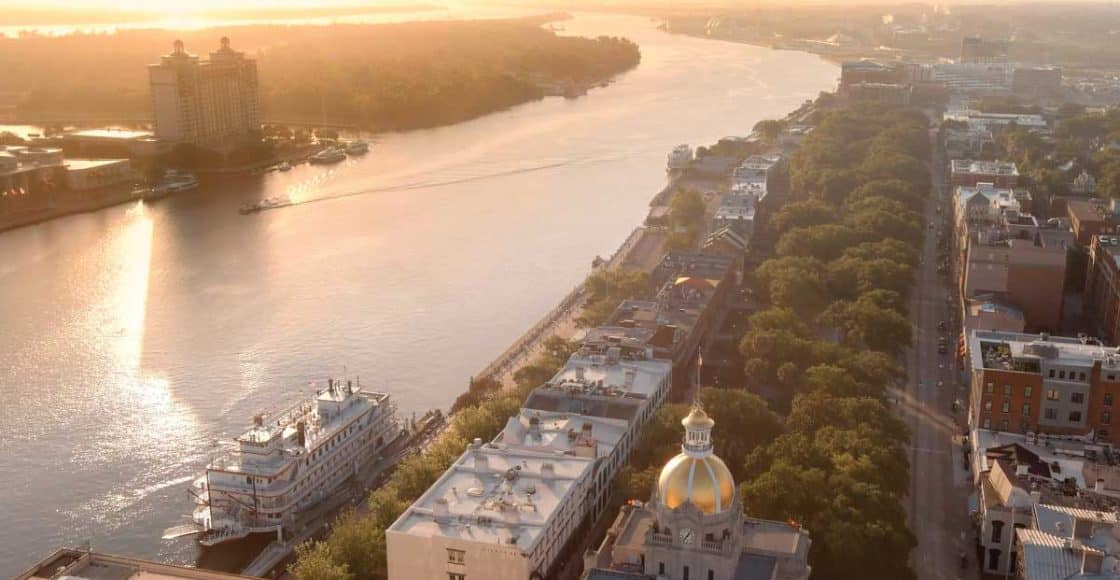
x=87, y=203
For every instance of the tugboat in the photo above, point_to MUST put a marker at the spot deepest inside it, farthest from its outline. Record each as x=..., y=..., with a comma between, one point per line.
x=284, y=166
x=266, y=203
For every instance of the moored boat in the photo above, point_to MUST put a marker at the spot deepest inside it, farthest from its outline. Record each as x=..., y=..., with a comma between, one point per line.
x=286, y=464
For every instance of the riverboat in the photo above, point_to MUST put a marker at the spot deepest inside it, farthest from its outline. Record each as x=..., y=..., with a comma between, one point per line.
x=178, y=181
x=286, y=464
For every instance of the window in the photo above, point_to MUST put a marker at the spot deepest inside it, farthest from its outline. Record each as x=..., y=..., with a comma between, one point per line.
x=1061, y=374
x=1026, y=409
x=1051, y=373
x=1006, y=407
x=1052, y=395
x=1007, y=390
x=987, y=423
x=1051, y=413
x=456, y=576
x=1028, y=390
x=456, y=556
x=661, y=568
x=1075, y=416
x=990, y=387
x=988, y=406
x=1106, y=417
x=1004, y=425
x=686, y=573
x=1077, y=397
x=711, y=575
x=997, y=531
x=1080, y=376
x=1112, y=377
x=1108, y=399
x=1102, y=434
x=993, y=559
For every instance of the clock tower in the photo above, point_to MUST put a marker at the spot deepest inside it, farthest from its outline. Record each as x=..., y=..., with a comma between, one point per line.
x=698, y=517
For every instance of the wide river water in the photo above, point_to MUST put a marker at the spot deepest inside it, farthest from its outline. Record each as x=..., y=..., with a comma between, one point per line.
x=133, y=338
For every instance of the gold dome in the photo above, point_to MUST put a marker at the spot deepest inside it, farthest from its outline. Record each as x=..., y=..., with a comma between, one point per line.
x=704, y=481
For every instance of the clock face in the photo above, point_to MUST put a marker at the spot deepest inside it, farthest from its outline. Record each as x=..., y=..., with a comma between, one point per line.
x=687, y=535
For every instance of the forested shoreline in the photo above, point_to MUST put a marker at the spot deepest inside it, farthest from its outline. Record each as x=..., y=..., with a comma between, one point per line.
x=383, y=77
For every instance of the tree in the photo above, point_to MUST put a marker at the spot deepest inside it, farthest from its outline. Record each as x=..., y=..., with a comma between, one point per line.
x=896, y=189
x=770, y=129
x=315, y=562
x=743, y=422
x=824, y=242
x=686, y=210
x=889, y=249
x=867, y=324
x=810, y=212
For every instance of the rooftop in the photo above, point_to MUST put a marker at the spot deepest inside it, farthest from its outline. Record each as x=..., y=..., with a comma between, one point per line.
x=122, y=134
x=497, y=494
x=1023, y=352
x=83, y=164
x=976, y=167
x=1056, y=466
x=601, y=385
x=68, y=564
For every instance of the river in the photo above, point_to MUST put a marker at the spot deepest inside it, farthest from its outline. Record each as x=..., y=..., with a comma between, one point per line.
x=133, y=338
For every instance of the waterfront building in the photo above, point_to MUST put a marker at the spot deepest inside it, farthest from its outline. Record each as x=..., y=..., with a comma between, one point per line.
x=514, y=507
x=757, y=175
x=69, y=564
x=205, y=102
x=89, y=174
x=693, y=527
x=855, y=72
x=736, y=212
x=978, y=79
x=1037, y=383
x=970, y=173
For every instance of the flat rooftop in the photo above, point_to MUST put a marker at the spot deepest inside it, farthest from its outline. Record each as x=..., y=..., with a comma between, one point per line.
x=568, y=433
x=1051, y=460
x=68, y=564
x=600, y=386
x=496, y=494
x=83, y=164
x=973, y=166
x=123, y=134
x=1023, y=352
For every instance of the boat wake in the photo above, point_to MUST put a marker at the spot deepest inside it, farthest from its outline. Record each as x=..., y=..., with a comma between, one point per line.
x=428, y=184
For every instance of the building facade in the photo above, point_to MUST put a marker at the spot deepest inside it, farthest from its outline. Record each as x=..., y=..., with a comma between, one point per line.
x=1036, y=383
x=1102, y=287
x=205, y=102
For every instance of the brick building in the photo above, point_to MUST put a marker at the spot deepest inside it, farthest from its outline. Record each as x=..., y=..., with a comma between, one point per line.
x=1042, y=384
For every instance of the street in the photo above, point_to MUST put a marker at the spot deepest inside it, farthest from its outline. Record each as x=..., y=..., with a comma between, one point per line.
x=939, y=486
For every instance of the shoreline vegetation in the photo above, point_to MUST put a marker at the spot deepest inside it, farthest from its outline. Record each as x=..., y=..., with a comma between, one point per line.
x=377, y=77
x=32, y=17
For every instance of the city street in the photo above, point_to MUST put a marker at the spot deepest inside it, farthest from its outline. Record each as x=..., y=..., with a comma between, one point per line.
x=939, y=485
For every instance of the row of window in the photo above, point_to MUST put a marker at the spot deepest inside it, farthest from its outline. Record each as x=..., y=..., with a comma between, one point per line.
x=1079, y=376
x=661, y=572
x=1051, y=394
